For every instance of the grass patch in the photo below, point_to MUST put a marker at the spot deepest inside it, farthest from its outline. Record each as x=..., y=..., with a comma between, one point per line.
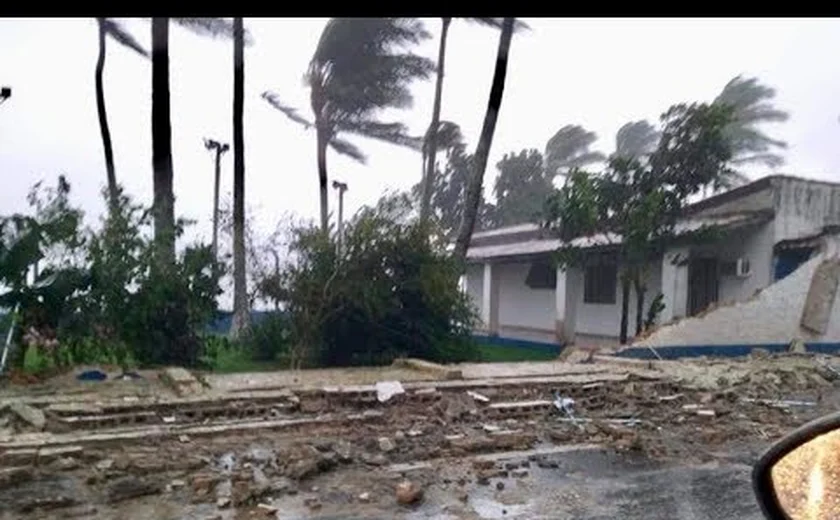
x=500, y=353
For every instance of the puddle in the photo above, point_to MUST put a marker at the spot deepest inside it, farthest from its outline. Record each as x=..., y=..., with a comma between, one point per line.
x=492, y=509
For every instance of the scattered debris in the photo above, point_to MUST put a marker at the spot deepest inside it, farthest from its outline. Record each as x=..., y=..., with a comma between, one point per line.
x=385, y=390
x=409, y=492
x=386, y=444
x=478, y=397
x=92, y=375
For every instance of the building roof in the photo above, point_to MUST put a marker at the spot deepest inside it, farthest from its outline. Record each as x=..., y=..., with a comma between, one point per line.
x=536, y=246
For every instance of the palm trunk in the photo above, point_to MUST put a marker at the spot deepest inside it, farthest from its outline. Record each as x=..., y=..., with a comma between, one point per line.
x=240, y=291
x=483, y=149
x=428, y=180
x=625, y=309
x=164, y=198
x=321, y=144
x=113, y=194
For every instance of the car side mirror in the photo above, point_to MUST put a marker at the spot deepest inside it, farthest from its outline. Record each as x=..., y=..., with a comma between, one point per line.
x=798, y=478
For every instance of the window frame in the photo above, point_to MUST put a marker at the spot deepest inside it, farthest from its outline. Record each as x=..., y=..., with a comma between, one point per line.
x=600, y=279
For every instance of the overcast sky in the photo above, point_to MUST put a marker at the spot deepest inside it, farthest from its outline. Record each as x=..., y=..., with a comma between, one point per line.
x=600, y=73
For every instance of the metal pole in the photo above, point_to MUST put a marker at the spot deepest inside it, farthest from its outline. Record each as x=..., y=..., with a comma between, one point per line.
x=9, y=338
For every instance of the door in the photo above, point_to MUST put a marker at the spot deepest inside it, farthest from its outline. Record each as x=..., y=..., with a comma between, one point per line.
x=702, y=284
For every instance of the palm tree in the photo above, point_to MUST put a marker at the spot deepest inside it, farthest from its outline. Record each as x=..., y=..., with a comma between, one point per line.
x=430, y=142
x=482, y=151
x=241, y=306
x=751, y=104
x=636, y=140
x=360, y=67
x=164, y=197
x=569, y=149
x=110, y=28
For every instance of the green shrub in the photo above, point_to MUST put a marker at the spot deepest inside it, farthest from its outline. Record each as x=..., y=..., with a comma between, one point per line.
x=269, y=338
x=391, y=293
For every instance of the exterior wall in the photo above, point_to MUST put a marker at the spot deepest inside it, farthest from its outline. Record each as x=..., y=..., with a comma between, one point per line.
x=521, y=306
x=804, y=207
x=475, y=285
x=605, y=319
x=771, y=317
x=754, y=244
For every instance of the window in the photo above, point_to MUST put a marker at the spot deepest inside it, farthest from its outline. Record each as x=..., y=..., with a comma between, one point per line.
x=541, y=275
x=599, y=279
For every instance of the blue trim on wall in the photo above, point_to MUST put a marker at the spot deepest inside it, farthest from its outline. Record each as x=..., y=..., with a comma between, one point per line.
x=499, y=341
x=690, y=351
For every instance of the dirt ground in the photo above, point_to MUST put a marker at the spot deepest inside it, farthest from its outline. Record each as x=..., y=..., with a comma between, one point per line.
x=488, y=446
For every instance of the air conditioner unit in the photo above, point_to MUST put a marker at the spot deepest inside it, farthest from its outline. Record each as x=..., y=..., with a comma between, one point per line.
x=742, y=268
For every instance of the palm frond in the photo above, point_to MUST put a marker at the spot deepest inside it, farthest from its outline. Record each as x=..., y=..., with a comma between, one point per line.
x=770, y=160
x=751, y=104
x=394, y=133
x=348, y=149
x=569, y=148
x=292, y=113
x=115, y=30
x=212, y=27
x=636, y=139
x=496, y=23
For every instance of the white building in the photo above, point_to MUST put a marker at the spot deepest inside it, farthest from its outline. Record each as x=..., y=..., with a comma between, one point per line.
x=766, y=229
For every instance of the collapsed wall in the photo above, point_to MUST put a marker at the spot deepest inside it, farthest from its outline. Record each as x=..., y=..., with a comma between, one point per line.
x=802, y=306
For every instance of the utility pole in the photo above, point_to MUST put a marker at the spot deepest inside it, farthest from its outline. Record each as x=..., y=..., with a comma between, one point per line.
x=341, y=187
x=5, y=93
x=220, y=149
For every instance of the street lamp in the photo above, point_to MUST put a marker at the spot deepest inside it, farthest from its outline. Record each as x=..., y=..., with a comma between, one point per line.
x=341, y=187
x=5, y=93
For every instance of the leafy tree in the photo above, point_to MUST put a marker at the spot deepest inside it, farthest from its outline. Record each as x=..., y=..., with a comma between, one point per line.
x=569, y=148
x=479, y=163
x=105, y=300
x=521, y=188
x=430, y=144
x=636, y=140
x=361, y=66
x=634, y=206
x=110, y=28
x=752, y=106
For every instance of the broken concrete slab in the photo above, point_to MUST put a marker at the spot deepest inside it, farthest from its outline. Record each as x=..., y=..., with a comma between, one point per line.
x=181, y=381
x=821, y=297
x=34, y=418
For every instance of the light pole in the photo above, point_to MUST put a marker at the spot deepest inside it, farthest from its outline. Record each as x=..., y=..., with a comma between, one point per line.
x=341, y=187
x=5, y=93
x=220, y=149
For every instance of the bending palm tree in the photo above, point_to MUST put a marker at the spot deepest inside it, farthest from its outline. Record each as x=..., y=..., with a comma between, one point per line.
x=356, y=71
x=431, y=143
x=110, y=28
x=482, y=151
x=752, y=105
x=569, y=149
x=636, y=140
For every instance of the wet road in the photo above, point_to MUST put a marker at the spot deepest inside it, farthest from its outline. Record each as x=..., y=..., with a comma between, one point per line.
x=599, y=486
